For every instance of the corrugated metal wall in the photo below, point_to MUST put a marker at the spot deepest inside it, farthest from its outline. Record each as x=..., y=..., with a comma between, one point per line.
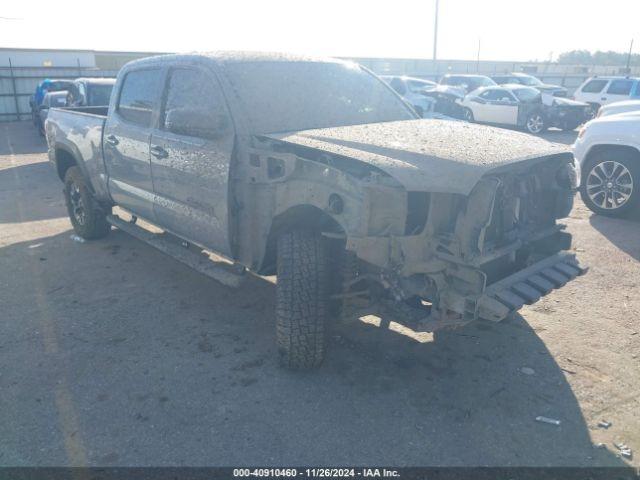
x=17, y=84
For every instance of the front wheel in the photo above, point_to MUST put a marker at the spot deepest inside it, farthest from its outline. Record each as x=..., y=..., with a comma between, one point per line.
x=467, y=114
x=535, y=123
x=611, y=183
x=87, y=217
x=302, y=299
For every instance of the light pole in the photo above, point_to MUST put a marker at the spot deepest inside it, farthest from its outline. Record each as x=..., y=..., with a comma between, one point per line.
x=629, y=57
x=435, y=42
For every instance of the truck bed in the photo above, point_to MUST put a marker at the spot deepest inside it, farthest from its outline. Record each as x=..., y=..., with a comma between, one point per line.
x=77, y=132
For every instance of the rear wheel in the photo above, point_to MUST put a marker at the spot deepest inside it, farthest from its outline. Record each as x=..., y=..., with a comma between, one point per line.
x=87, y=216
x=611, y=182
x=302, y=301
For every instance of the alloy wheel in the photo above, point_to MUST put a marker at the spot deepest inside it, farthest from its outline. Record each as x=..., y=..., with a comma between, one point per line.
x=609, y=185
x=77, y=204
x=535, y=123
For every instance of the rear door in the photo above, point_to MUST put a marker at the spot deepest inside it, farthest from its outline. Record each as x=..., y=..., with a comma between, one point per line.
x=127, y=134
x=618, y=90
x=190, y=155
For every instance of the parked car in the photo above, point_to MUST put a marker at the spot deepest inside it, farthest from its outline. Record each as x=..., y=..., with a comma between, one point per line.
x=333, y=183
x=619, y=107
x=517, y=78
x=91, y=92
x=523, y=107
x=413, y=91
x=47, y=85
x=467, y=83
x=51, y=100
x=608, y=149
x=598, y=91
x=446, y=102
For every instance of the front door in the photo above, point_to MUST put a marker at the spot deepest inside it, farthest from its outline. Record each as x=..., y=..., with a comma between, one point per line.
x=500, y=107
x=190, y=155
x=126, y=141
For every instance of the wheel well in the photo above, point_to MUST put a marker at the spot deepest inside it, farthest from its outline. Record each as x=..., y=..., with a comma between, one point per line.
x=64, y=161
x=599, y=149
x=300, y=217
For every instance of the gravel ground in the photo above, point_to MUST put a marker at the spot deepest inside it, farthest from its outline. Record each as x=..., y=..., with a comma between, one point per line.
x=114, y=354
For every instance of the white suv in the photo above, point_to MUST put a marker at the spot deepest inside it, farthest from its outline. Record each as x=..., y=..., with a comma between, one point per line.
x=619, y=107
x=608, y=150
x=598, y=91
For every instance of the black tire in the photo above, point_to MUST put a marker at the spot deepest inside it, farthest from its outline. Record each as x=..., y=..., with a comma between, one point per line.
x=467, y=114
x=535, y=123
x=600, y=164
x=302, y=299
x=87, y=216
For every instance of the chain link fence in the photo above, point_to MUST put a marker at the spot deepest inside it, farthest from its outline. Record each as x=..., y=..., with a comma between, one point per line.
x=18, y=84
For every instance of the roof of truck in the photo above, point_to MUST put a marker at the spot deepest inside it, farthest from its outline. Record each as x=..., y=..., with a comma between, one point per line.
x=238, y=56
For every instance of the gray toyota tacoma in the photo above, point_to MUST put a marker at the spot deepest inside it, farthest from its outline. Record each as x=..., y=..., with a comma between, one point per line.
x=314, y=170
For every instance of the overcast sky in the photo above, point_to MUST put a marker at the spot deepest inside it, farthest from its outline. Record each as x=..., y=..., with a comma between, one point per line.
x=508, y=30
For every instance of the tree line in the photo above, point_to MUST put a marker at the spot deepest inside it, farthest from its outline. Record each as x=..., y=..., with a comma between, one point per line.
x=585, y=57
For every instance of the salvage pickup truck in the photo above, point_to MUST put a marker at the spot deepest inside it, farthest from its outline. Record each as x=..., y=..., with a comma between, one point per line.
x=316, y=171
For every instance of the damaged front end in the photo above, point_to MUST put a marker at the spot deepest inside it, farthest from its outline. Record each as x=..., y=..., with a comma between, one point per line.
x=460, y=258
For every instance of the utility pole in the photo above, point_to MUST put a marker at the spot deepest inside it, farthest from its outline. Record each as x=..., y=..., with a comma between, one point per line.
x=478, y=58
x=629, y=56
x=435, y=42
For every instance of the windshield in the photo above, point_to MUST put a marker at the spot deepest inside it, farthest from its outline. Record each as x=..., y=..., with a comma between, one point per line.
x=530, y=81
x=99, y=95
x=527, y=95
x=289, y=96
x=484, y=81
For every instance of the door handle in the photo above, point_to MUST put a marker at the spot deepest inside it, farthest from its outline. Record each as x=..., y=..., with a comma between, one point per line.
x=158, y=152
x=112, y=140
x=603, y=98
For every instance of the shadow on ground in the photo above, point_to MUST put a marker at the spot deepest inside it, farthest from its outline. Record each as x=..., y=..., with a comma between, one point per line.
x=21, y=138
x=131, y=358
x=622, y=232
x=36, y=182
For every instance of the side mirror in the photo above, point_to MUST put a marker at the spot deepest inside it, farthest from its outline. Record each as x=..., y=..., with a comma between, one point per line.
x=195, y=123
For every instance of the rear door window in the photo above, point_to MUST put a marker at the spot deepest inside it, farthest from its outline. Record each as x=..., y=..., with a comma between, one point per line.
x=139, y=96
x=594, y=86
x=620, y=87
x=193, y=90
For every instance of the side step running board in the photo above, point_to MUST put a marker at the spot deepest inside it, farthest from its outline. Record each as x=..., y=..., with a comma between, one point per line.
x=227, y=274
